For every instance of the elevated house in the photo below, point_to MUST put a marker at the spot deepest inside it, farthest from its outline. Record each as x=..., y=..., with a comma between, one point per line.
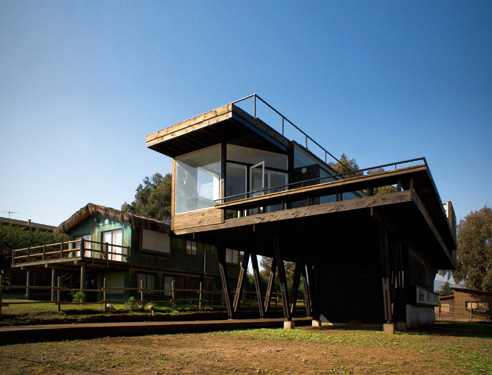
x=125, y=251
x=361, y=256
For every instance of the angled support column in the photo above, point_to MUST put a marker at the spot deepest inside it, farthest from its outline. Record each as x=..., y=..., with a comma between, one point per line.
x=223, y=276
x=313, y=288
x=295, y=286
x=256, y=274
x=385, y=275
x=240, y=282
x=282, y=278
x=271, y=278
x=307, y=297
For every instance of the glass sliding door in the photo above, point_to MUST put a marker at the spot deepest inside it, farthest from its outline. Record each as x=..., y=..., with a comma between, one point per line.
x=257, y=179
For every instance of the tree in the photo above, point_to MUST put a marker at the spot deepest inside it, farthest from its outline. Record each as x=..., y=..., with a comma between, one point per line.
x=445, y=290
x=153, y=198
x=381, y=189
x=474, y=263
x=13, y=237
x=266, y=265
x=344, y=165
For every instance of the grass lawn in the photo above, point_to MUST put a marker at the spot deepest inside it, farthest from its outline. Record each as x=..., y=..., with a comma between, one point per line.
x=448, y=348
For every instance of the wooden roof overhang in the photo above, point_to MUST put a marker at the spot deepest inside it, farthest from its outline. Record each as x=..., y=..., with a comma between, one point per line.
x=228, y=123
x=416, y=213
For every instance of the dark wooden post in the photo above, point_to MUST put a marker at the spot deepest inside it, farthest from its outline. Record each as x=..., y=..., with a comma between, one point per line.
x=82, y=247
x=282, y=278
x=307, y=298
x=61, y=250
x=53, y=284
x=313, y=288
x=271, y=278
x=256, y=273
x=58, y=294
x=28, y=284
x=82, y=280
x=223, y=276
x=385, y=275
x=240, y=282
x=295, y=286
x=44, y=251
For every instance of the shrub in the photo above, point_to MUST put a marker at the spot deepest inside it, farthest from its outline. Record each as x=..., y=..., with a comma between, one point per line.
x=78, y=297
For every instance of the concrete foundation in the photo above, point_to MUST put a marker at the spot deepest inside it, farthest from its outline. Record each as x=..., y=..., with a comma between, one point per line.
x=420, y=316
x=289, y=324
x=389, y=329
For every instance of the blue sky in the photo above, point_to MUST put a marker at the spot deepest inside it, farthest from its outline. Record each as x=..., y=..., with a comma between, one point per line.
x=82, y=83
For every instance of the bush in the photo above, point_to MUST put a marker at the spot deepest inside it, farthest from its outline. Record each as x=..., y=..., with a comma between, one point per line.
x=78, y=297
x=132, y=304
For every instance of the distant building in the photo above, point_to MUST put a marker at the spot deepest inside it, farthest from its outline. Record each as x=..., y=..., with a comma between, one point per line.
x=466, y=304
x=126, y=251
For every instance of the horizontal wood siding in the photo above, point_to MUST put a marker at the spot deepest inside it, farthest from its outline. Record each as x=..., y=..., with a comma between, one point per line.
x=197, y=219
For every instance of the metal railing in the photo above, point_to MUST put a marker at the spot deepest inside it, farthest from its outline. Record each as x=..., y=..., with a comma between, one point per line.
x=284, y=121
x=320, y=180
x=80, y=248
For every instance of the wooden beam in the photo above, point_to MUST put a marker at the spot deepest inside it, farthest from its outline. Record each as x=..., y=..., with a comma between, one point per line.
x=307, y=297
x=240, y=282
x=313, y=288
x=223, y=276
x=295, y=286
x=271, y=278
x=256, y=274
x=385, y=274
x=309, y=211
x=282, y=278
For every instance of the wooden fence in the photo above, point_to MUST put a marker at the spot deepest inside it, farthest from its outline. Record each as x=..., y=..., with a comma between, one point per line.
x=450, y=312
x=145, y=295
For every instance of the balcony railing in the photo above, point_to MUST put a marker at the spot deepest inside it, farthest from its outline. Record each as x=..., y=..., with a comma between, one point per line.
x=68, y=250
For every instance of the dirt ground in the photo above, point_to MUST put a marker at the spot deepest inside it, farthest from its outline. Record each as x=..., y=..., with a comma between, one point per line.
x=265, y=351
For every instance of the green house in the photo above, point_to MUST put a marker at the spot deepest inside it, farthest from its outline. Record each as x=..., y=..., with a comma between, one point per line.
x=123, y=252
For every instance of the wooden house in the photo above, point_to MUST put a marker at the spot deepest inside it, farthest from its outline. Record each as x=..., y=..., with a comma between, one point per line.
x=239, y=183
x=466, y=304
x=127, y=251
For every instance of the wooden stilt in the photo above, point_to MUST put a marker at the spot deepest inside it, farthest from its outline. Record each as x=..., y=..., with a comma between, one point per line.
x=295, y=286
x=271, y=278
x=282, y=278
x=223, y=276
x=240, y=282
x=256, y=274
x=307, y=297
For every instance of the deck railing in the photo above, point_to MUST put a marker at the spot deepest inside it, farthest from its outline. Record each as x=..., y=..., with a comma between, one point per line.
x=80, y=248
x=320, y=180
x=285, y=121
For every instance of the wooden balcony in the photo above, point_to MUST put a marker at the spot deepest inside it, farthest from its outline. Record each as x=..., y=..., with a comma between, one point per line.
x=71, y=253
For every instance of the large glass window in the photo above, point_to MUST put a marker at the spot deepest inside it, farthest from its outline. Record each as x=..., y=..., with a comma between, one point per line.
x=253, y=156
x=114, y=237
x=197, y=180
x=155, y=241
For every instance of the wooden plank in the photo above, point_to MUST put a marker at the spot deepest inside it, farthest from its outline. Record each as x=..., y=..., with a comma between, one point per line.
x=195, y=219
x=189, y=129
x=208, y=117
x=308, y=211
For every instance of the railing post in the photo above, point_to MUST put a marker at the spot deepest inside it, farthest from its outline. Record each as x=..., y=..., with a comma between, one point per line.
x=28, y=253
x=200, y=297
x=104, y=293
x=82, y=247
x=13, y=257
x=53, y=281
x=255, y=105
x=61, y=250
x=173, y=294
x=141, y=293
x=28, y=283
x=44, y=251
x=282, y=125
x=58, y=294
x=1, y=292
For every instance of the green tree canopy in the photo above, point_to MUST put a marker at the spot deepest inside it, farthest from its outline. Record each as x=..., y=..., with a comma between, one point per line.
x=445, y=290
x=474, y=262
x=13, y=237
x=153, y=198
x=344, y=165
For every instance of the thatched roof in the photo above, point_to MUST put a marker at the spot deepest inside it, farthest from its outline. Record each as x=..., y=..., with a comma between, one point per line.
x=95, y=210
